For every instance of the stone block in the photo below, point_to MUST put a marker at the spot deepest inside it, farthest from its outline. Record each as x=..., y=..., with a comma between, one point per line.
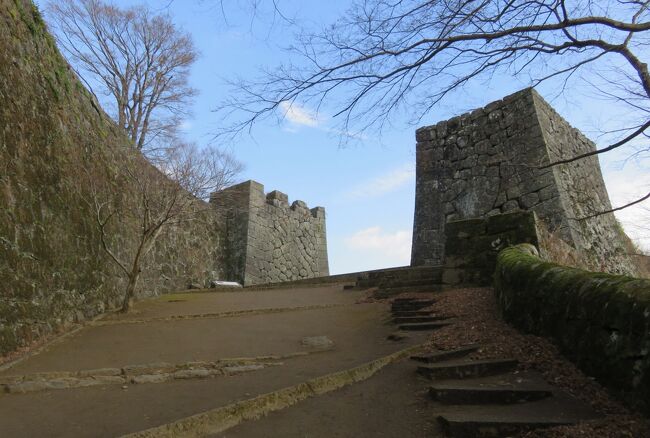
x=277, y=198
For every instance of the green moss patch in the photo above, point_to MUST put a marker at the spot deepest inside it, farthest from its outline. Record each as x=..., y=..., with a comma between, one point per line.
x=600, y=321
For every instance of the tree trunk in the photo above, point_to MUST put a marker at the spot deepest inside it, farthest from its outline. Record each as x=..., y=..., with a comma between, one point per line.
x=127, y=303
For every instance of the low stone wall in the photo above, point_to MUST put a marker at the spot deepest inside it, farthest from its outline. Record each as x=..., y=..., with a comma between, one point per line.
x=600, y=321
x=472, y=245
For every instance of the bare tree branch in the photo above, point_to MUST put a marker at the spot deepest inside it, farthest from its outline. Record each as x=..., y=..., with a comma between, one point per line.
x=139, y=59
x=172, y=193
x=386, y=56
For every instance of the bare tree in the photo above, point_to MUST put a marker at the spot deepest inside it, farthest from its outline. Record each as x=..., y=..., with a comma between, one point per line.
x=158, y=197
x=384, y=56
x=140, y=60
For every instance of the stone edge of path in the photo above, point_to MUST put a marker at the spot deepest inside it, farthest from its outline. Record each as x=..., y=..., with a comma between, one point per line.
x=225, y=417
x=100, y=321
x=158, y=372
x=226, y=314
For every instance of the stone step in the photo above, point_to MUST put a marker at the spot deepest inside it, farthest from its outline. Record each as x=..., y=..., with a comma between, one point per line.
x=439, y=356
x=415, y=302
x=467, y=369
x=417, y=319
x=389, y=291
x=513, y=387
x=471, y=421
x=407, y=307
x=414, y=305
x=424, y=281
x=407, y=313
x=405, y=299
x=424, y=326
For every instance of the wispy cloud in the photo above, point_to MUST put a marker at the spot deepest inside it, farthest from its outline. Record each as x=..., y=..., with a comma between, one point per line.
x=299, y=115
x=386, y=183
x=392, y=249
x=626, y=185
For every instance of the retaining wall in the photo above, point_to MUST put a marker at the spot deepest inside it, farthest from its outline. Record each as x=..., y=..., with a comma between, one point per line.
x=53, y=271
x=600, y=321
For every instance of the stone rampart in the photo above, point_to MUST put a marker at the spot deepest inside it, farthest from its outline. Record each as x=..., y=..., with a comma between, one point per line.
x=53, y=136
x=492, y=161
x=269, y=240
x=472, y=245
x=54, y=141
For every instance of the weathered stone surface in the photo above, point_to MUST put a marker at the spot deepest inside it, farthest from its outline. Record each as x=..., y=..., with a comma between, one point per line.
x=100, y=372
x=317, y=342
x=238, y=369
x=492, y=161
x=151, y=368
x=192, y=374
x=150, y=378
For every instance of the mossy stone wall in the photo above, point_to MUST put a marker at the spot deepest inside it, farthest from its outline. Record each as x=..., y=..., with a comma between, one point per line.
x=600, y=321
x=53, y=271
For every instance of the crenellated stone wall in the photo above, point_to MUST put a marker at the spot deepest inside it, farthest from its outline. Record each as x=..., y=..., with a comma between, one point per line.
x=492, y=161
x=269, y=240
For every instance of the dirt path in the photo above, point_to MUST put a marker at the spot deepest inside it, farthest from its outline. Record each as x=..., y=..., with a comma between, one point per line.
x=359, y=333
x=392, y=403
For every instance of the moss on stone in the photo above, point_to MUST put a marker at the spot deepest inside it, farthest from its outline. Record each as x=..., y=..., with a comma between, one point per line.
x=599, y=320
x=52, y=269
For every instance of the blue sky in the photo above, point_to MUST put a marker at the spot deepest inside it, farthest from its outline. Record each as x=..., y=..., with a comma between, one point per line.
x=368, y=187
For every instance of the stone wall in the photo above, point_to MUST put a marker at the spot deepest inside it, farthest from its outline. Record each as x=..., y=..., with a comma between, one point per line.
x=491, y=161
x=600, y=321
x=472, y=245
x=53, y=270
x=269, y=240
x=55, y=142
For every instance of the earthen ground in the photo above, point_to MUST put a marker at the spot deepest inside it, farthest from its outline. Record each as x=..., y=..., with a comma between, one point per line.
x=393, y=403
x=359, y=332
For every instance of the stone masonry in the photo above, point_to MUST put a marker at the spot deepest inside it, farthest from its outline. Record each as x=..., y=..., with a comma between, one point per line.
x=491, y=161
x=269, y=240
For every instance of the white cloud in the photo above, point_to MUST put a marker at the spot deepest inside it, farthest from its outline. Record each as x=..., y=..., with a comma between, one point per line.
x=387, y=249
x=624, y=186
x=299, y=115
x=185, y=125
x=389, y=182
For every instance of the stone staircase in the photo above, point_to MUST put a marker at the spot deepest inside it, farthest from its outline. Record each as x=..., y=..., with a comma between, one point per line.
x=484, y=398
x=403, y=279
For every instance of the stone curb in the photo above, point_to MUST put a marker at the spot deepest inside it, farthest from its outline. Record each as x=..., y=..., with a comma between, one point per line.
x=142, y=373
x=226, y=417
x=228, y=314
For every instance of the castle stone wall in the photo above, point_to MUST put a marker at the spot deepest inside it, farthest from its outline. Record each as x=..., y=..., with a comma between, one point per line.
x=491, y=161
x=53, y=271
x=269, y=240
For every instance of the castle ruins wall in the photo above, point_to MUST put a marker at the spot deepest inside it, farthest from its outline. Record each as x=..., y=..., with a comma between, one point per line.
x=269, y=240
x=492, y=160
